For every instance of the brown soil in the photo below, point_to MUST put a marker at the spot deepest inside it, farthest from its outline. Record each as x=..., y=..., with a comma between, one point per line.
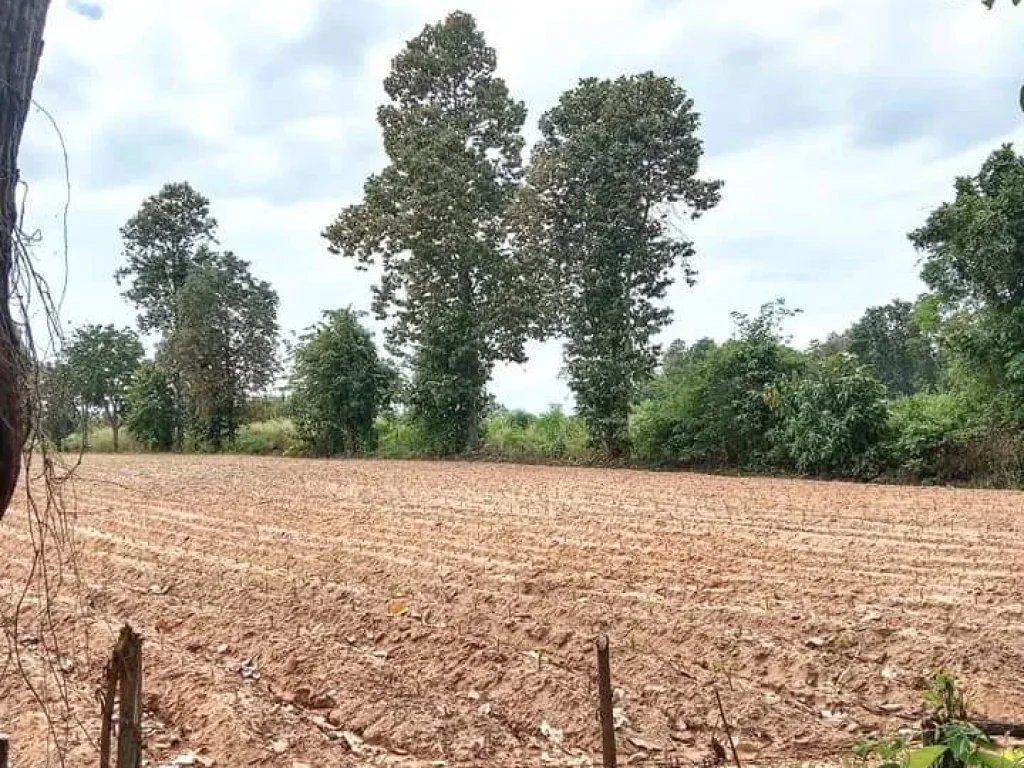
x=303, y=613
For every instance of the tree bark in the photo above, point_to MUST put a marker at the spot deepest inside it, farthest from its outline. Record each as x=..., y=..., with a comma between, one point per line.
x=21, y=45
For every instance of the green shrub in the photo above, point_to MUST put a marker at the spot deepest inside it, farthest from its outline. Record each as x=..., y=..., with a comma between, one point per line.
x=551, y=436
x=399, y=438
x=275, y=437
x=722, y=409
x=834, y=419
x=151, y=408
x=929, y=436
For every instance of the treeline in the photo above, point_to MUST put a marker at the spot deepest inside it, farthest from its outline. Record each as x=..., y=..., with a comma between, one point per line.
x=480, y=252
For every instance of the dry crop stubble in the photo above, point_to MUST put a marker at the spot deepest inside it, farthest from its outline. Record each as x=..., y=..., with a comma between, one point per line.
x=369, y=611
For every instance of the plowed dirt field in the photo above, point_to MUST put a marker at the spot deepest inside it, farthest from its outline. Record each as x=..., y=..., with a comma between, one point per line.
x=303, y=613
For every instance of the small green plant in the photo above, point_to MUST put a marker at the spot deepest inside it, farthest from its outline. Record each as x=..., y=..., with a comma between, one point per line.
x=948, y=738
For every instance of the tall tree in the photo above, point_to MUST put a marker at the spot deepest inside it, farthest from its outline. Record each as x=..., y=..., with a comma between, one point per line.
x=617, y=160
x=224, y=343
x=162, y=242
x=436, y=218
x=339, y=384
x=889, y=339
x=21, y=45
x=102, y=359
x=973, y=260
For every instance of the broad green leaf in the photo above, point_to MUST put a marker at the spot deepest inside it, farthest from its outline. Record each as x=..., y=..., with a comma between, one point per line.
x=924, y=757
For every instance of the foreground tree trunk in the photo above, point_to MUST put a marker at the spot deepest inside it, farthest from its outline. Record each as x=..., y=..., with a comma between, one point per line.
x=21, y=45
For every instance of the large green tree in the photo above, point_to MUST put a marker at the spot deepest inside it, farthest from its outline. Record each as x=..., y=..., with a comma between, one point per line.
x=102, y=359
x=617, y=162
x=339, y=385
x=224, y=343
x=973, y=260
x=162, y=243
x=890, y=340
x=457, y=297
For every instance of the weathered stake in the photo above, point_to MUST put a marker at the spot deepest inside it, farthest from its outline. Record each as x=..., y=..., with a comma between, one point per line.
x=3, y=750
x=128, y=656
x=604, y=692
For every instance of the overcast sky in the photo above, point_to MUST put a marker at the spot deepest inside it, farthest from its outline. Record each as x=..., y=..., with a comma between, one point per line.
x=836, y=126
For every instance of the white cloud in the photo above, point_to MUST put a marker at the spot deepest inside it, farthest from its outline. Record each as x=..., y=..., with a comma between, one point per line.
x=835, y=125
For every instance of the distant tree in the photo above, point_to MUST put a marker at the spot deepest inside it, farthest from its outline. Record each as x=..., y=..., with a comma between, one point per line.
x=616, y=161
x=58, y=406
x=224, y=344
x=339, y=385
x=151, y=407
x=162, y=242
x=456, y=294
x=973, y=261
x=890, y=340
x=679, y=355
x=102, y=359
x=834, y=344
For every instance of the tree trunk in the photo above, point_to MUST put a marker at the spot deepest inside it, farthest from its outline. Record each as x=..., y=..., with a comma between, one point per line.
x=21, y=45
x=115, y=427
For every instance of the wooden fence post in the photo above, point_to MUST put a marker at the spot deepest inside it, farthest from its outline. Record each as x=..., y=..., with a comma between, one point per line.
x=128, y=656
x=604, y=692
x=3, y=750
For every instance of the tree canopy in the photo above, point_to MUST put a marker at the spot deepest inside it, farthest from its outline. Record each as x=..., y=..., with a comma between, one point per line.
x=455, y=296
x=102, y=359
x=617, y=161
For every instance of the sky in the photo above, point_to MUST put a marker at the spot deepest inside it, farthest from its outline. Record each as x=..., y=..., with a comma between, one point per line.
x=836, y=126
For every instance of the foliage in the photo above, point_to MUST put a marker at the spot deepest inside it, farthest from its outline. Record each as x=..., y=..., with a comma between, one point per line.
x=399, y=437
x=339, y=385
x=973, y=260
x=889, y=339
x=551, y=436
x=616, y=161
x=948, y=738
x=151, y=407
x=835, y=419
x=102, y=360
x=223, y=346
x=926, y=430
x=101, y=440
x=272, y=437
x=161, y=242
x=722, y=409
x=457, y=297
x=267, y=408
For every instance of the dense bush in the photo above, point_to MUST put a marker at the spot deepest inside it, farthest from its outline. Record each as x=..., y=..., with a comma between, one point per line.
x=273, y=437
x=398, y=437
x=551, y=436
x=340, y=384
x=722, y=409
x=152, y=410
x=834, y=419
